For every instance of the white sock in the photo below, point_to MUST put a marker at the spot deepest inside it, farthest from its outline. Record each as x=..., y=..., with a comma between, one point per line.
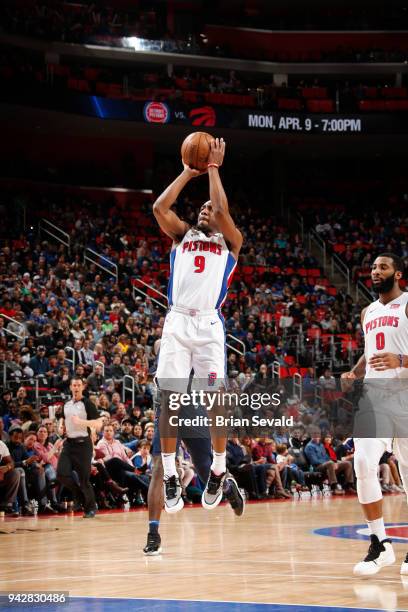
x=219, y=465
x=169, y=464
x=377, y=528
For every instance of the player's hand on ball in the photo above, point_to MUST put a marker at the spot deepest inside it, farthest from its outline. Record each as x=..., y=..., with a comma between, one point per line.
x=346, y=381
x=384, y=361
x=192, y=172
x=217, y=151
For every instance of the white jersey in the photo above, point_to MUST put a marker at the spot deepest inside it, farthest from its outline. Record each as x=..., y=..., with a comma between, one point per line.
x=201, y=269
x=386, y=331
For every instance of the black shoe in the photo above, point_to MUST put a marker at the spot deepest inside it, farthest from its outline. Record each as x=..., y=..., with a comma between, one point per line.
x=47, y=509
x=89, y=514
x=153, y=546
x=173, y=502
x=10, y=512
x=234, y=496
x=213, y=492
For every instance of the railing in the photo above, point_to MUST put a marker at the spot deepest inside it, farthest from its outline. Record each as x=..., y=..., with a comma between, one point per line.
x=146, y=294
x=320, y=243
x=71, y=351
x=297, y=386
x=342, y=268
x=102, y=262
x=276, y=370
x=363, y=292
x=55, y=232
x=234, y=348
x=318, y=396
x=21, y=336
x=128, y=384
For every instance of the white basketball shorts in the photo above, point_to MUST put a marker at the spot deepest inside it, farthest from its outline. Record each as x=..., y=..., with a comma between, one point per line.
x=192, y=339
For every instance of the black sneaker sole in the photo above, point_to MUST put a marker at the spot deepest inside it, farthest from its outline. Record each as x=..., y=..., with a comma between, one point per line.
x=238, y=509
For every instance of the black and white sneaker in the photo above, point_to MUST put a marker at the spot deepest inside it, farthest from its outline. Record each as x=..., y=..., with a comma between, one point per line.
x=213, y=492
x=234, y=495
x=153, y=546
x=173, y=501
x=404, y=566
x=380, y=554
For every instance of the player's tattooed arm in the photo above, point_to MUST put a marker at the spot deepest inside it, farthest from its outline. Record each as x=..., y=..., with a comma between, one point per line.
x=219, y=200
x=169, y=221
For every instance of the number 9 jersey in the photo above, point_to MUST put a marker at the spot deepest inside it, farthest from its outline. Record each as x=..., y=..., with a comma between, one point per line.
x=385, y=329
x=201, y=270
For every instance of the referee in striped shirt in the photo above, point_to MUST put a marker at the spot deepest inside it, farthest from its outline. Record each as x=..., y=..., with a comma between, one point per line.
x=79, y=414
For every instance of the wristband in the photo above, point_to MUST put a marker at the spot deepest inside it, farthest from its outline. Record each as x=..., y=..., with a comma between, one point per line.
x=401, y=360
x=213, y=165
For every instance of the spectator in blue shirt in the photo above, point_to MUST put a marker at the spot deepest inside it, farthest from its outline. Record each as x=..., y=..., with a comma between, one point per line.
x=40, y=364
x=320, y=460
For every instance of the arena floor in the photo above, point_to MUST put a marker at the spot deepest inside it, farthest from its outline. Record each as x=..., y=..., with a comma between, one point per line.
x=290, y=556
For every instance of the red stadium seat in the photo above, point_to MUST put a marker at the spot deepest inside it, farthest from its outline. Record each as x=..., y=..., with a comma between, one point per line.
x=289, y=104
x=394, y=92
x=314, y=333
x=314, y=92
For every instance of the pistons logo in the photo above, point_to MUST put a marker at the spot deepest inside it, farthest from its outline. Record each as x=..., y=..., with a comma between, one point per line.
x=212, y=377
x=204, y=115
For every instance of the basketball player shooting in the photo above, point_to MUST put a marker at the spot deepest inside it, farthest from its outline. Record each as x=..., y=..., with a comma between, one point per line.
x=202, y=261
x=384, y=367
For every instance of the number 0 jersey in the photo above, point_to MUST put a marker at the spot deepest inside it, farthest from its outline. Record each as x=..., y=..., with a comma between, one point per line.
x=201, y=269
x=385, y=329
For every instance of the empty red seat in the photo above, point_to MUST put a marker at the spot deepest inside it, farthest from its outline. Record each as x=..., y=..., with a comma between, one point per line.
x=394, y=92
x=370, y=92
x=320, y=106
x=314, y=92
x=314, y=333
x=289, y=104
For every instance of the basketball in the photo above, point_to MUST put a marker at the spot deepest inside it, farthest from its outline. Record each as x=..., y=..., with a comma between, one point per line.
x=195, y=150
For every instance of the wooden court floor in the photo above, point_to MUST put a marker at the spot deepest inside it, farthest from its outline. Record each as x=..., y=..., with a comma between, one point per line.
x=270, y=555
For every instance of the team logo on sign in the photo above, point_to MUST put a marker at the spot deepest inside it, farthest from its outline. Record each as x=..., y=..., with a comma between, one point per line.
x=204, y=115
x=156, y=112
x=212, y=377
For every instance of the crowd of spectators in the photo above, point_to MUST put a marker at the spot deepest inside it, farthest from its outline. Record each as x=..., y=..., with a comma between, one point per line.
x=356, y=233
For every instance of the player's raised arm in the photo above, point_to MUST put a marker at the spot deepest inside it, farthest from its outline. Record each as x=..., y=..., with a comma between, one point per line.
x=169, y=221
x=219, y=200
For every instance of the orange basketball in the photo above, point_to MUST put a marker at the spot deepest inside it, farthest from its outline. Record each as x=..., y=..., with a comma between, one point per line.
x=195, y=150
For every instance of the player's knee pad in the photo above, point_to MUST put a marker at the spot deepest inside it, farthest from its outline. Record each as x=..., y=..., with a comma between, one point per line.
x=368, y=484
x=363, y=467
